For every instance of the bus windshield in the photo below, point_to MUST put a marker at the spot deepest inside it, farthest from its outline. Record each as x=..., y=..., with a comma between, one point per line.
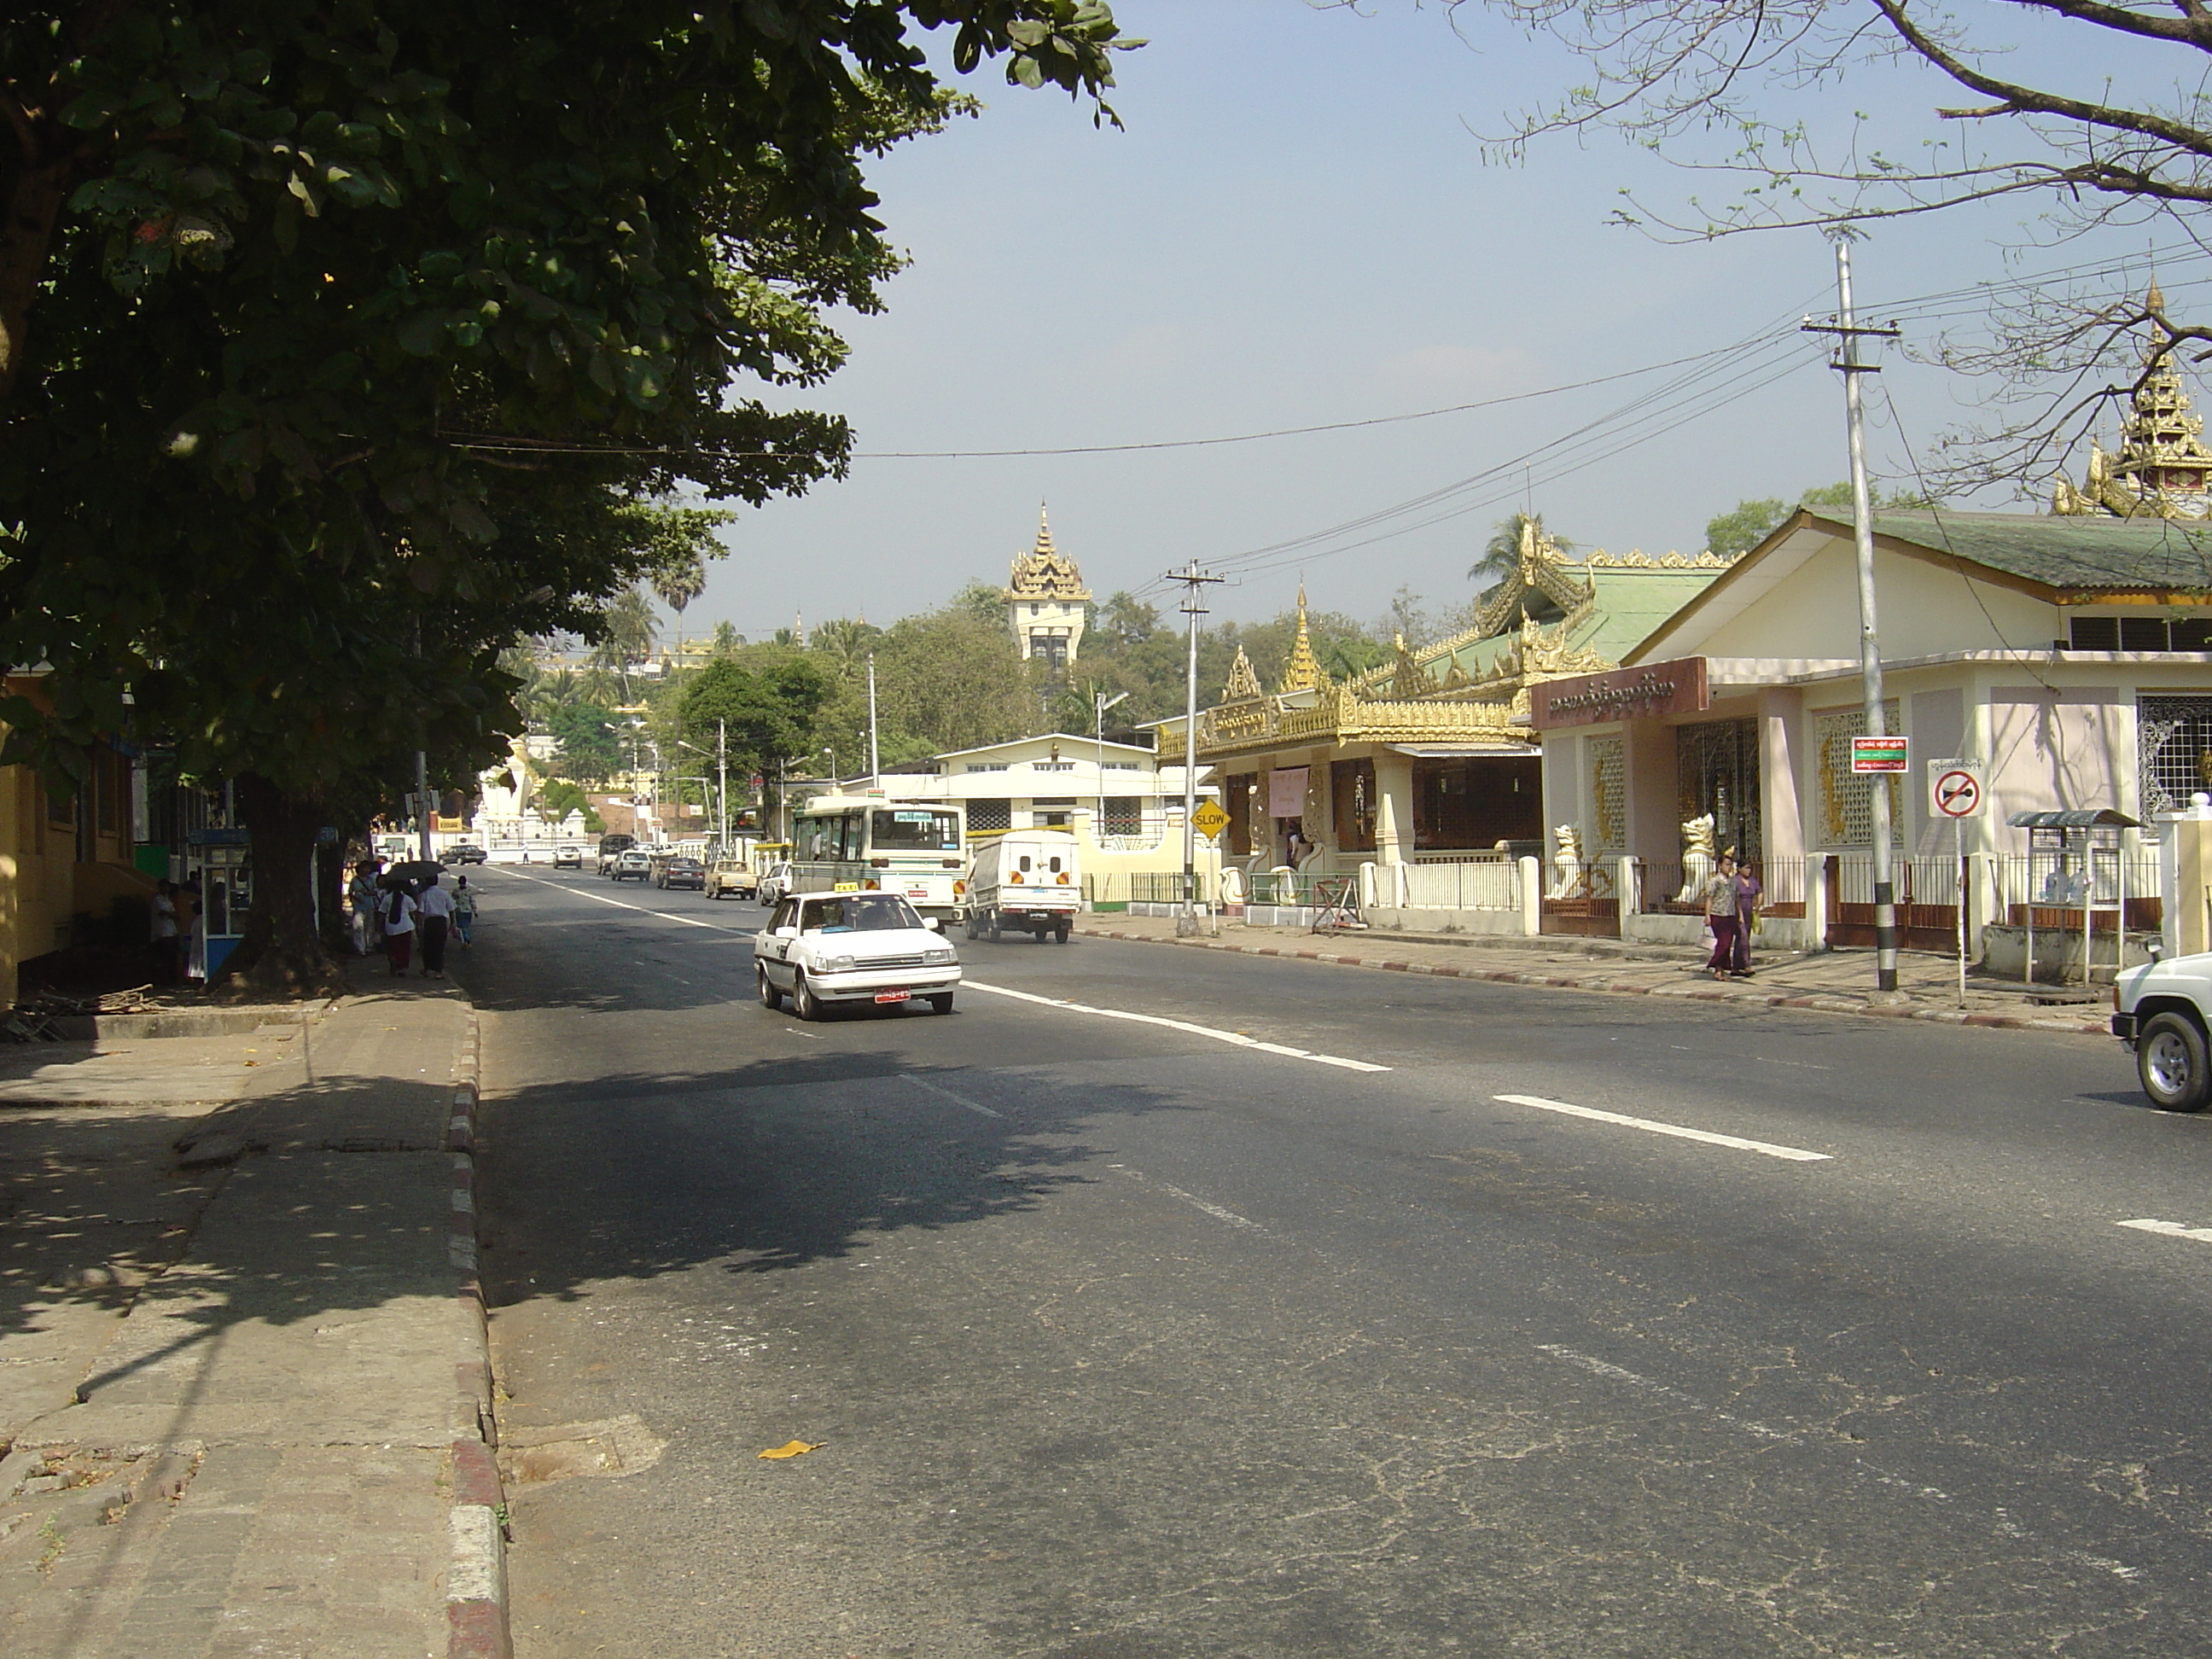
x=915, y=829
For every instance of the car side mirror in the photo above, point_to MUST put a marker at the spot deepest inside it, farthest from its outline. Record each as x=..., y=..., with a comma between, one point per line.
x=2157, y=948
x=786, y=932
x=933, y=924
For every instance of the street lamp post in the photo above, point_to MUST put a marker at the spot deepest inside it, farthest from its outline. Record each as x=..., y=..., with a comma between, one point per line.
x=1100, y=702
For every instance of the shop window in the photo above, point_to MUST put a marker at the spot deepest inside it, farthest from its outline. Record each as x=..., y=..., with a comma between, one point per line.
x=1352, y=804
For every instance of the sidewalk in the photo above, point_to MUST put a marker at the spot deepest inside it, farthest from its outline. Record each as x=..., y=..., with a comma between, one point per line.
x=243, y=1397
x=1834, y=981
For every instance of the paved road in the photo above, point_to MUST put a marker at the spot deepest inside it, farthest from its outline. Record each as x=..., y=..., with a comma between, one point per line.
x=1123, y=1339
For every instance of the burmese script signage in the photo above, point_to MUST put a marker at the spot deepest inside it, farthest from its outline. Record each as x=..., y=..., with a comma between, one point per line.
x=1659, y=688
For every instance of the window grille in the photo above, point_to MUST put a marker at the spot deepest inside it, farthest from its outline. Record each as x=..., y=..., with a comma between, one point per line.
x=1847, y=797
x=1609, y=795
x=2173, y=751
x=990, y=815
x=1124, y=815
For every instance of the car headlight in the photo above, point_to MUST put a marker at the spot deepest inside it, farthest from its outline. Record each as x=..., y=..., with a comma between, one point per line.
x=836, y=964
x=941, y=954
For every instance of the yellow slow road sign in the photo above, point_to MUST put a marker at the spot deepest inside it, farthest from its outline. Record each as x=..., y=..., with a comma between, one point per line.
x=1211, y=819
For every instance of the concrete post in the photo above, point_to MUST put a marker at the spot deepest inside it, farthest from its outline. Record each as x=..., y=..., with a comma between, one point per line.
x=1532, y=896
x=1394, y=808
x=1816, y=904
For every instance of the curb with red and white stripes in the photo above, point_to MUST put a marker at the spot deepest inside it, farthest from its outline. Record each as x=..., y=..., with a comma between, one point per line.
x=1599, y=984
x=476, y=1574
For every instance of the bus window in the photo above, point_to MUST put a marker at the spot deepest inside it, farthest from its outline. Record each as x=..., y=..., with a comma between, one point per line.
x=917, y=830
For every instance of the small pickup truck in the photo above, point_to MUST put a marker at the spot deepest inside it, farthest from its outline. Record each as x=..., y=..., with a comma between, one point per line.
x=1026, y=882
x=2160, y=1010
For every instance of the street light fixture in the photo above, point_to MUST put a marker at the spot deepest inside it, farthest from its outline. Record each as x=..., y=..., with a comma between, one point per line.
x=1100, y=702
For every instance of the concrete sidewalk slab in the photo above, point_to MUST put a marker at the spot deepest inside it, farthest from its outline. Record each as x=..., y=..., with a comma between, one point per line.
x=245, y=1429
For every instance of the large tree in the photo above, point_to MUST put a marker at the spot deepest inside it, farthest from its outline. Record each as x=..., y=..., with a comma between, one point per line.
x=337, y=345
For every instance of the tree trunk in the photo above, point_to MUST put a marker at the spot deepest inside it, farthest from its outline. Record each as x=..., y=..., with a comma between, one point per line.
x=281, y=954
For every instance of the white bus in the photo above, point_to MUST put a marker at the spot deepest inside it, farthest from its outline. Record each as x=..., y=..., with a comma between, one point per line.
x=859, y=843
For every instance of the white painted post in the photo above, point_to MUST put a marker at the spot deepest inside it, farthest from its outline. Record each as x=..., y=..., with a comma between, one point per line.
x=1816, y=904
x=1532, y=896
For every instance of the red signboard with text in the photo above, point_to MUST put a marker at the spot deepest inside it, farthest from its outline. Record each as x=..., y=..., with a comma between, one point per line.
x=1626, y=693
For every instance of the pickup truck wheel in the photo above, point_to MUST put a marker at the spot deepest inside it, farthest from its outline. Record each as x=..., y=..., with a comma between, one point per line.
x=2169, y=1059
x=770, y=996
x=804, y=1002
x=1059, y=934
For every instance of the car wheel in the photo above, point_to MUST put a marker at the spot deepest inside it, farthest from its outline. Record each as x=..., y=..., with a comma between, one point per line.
x=942, y=1003
x=804, y=1002
x=2169, y=1059
x=770, y=996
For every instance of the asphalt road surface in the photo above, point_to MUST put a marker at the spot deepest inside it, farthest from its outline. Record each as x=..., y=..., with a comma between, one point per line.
x=1411, y=1333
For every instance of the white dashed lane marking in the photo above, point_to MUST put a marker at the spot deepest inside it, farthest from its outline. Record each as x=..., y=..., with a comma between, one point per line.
x=2171, y=1229
x=1236, y=1038
x=1765, y=1148
x=946, y=1094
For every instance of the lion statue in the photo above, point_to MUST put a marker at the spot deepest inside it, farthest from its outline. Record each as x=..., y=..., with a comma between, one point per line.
x=1697, y=857
x=1567, y=862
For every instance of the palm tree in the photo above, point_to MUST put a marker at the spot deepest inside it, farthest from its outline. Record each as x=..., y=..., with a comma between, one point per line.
x=678, y=583
x=628, y=633
x=1501, y=554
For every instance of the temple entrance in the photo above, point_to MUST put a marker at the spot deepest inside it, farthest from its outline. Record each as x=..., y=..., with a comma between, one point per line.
x=1717, y=775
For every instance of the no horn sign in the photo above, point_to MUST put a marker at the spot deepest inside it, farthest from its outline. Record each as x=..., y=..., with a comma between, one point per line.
x=1956, y=789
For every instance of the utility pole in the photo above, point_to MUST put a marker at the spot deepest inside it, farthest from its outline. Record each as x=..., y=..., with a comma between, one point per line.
x=1195, y=581
x=875, y=766
x=722, y=779
x=1847, y=363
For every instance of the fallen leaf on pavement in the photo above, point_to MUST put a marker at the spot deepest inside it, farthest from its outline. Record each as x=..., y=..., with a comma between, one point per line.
x=791, y=1449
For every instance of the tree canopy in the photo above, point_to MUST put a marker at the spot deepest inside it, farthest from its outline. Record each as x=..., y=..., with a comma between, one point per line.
x=341, y=346
x=1750, y=522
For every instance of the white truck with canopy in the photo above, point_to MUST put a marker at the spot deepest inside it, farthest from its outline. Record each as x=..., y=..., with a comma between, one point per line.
x=1025, y=881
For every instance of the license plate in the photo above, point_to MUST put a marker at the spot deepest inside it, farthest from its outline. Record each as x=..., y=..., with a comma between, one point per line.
x=917, y=892
x=893, y=996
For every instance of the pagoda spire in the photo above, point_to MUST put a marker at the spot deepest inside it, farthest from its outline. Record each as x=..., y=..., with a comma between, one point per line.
x=2162, y=469
x=1302, y=673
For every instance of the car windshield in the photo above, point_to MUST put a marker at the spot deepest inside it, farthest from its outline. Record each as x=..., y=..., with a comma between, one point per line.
x=859, y=912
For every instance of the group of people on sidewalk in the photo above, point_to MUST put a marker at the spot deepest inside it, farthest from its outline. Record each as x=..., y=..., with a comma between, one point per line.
x=180, y=946
x=1731, y=913
x=390, y=912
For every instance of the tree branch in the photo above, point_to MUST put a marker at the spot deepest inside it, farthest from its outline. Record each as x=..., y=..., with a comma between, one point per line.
x=2194, y=29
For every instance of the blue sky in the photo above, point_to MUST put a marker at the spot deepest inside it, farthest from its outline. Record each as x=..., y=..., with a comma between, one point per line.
x=1297, y=227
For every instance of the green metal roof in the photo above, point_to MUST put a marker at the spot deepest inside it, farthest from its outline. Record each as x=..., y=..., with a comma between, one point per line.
x=1631, y=600
x=2117, y=555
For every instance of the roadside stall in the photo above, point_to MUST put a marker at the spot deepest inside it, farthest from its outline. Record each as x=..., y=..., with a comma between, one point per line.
x=2075, y=865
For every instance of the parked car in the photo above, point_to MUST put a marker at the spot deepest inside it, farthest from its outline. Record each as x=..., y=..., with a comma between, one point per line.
x=2163, y=1010
x=774, y=882
x=823, y=949
x=466, y=852
x=610, y=849
x=631, y=864
x=568, y=857
x=680, y=871
x=731, y=875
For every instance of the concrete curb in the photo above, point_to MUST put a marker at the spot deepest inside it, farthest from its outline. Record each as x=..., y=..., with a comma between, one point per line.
x=476, y=1624
x=1598, y=984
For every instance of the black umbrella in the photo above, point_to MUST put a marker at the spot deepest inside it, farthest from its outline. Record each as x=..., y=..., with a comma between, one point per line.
x=413, y=869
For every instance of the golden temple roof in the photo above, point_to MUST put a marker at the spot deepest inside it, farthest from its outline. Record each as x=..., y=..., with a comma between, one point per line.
x=1044, y=572
x=2162, y=469
x=1302, y=673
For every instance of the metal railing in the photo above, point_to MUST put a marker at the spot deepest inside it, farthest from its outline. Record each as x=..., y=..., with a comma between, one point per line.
x=1489, y=883
x=1677, y=888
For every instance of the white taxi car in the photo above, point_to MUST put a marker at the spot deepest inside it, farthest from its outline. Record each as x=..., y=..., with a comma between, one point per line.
x=824, y=948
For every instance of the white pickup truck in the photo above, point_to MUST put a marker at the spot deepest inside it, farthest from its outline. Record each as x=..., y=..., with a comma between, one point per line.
x=2160, y=1011
x=1024, y=881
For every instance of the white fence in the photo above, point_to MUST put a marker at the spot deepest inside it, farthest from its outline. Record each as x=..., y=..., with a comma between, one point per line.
x=1489, y=884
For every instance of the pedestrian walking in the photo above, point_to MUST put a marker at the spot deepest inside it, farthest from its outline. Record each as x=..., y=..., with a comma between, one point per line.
x=465, y=909
x=433, y=914
x=168, y=939
x=1748, y=891
x=399, y=914
x=1721, y=916
x=361, y=895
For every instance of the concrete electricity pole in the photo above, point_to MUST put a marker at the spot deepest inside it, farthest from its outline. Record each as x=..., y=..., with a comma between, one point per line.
x=875, y=766
x=722, y=780
x=1847, y=363
x=1195, y=581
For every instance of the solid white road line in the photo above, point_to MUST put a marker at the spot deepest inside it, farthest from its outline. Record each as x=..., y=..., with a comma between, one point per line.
x=1796, y=1154
x=1237, y=1038
x=2171, y=1229
x=957, y=1100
